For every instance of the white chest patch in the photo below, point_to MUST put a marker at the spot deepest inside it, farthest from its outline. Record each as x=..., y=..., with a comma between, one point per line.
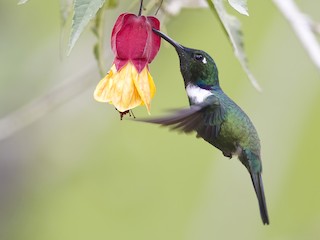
x=197, y=94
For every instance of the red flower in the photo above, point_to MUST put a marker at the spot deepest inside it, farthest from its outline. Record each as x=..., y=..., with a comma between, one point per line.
x=129, y=83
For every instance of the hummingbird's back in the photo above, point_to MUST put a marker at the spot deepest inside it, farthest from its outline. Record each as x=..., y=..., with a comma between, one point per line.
x=236, y=130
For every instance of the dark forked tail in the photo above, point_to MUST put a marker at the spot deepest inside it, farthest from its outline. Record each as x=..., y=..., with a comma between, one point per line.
x=258, y=187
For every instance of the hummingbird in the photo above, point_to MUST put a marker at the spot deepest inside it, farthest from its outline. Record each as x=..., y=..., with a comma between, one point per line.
x=214, y=116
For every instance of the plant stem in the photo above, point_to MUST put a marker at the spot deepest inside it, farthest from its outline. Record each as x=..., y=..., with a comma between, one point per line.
x=140, y=9
x=98, y=48
x=301, y=26
x=159, y=7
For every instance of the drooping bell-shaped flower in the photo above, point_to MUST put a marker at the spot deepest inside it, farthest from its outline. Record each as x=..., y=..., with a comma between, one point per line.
x=129, y=84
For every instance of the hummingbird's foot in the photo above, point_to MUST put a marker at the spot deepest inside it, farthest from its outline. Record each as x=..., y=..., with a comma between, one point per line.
x=130, y=112
x=229, y=155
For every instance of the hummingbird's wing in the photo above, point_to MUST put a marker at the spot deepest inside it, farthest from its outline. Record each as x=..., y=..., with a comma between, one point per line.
x=205, y=118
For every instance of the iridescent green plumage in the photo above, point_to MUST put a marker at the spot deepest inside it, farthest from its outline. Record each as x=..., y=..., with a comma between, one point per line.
x=215, y=117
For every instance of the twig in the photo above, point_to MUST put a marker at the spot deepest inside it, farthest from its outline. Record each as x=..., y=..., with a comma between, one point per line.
x=301, y=26
x=33, y=111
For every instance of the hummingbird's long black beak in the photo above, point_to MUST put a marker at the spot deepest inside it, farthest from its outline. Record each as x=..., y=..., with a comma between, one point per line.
x=176, y=45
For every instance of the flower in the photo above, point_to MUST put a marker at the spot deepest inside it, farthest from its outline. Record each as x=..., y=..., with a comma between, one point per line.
x=129, y=84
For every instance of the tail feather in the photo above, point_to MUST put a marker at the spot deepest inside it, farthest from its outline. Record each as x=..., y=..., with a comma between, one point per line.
x=258, y=187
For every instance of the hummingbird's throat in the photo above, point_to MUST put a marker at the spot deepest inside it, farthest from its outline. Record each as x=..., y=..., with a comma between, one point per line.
x=197, y=94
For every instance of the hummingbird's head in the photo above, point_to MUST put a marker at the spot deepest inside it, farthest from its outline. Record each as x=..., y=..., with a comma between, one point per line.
x=197, y=67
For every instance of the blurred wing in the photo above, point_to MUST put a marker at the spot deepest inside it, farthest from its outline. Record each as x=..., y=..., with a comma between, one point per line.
x=205, y=118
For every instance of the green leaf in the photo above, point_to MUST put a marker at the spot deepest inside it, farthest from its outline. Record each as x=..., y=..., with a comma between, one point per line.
x=240, y=6
x=232, y=28
x=22, y=2
x=84, y=11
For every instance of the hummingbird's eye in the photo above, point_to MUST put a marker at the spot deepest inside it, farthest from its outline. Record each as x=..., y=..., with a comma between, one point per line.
x=198, y=56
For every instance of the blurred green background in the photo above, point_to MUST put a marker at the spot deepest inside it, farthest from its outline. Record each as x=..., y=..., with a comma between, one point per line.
x=80, y=173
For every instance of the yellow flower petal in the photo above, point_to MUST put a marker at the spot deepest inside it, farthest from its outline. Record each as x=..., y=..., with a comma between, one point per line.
x=145, y=86
x=127, y=88
x=104, y=89
x=125, y=95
